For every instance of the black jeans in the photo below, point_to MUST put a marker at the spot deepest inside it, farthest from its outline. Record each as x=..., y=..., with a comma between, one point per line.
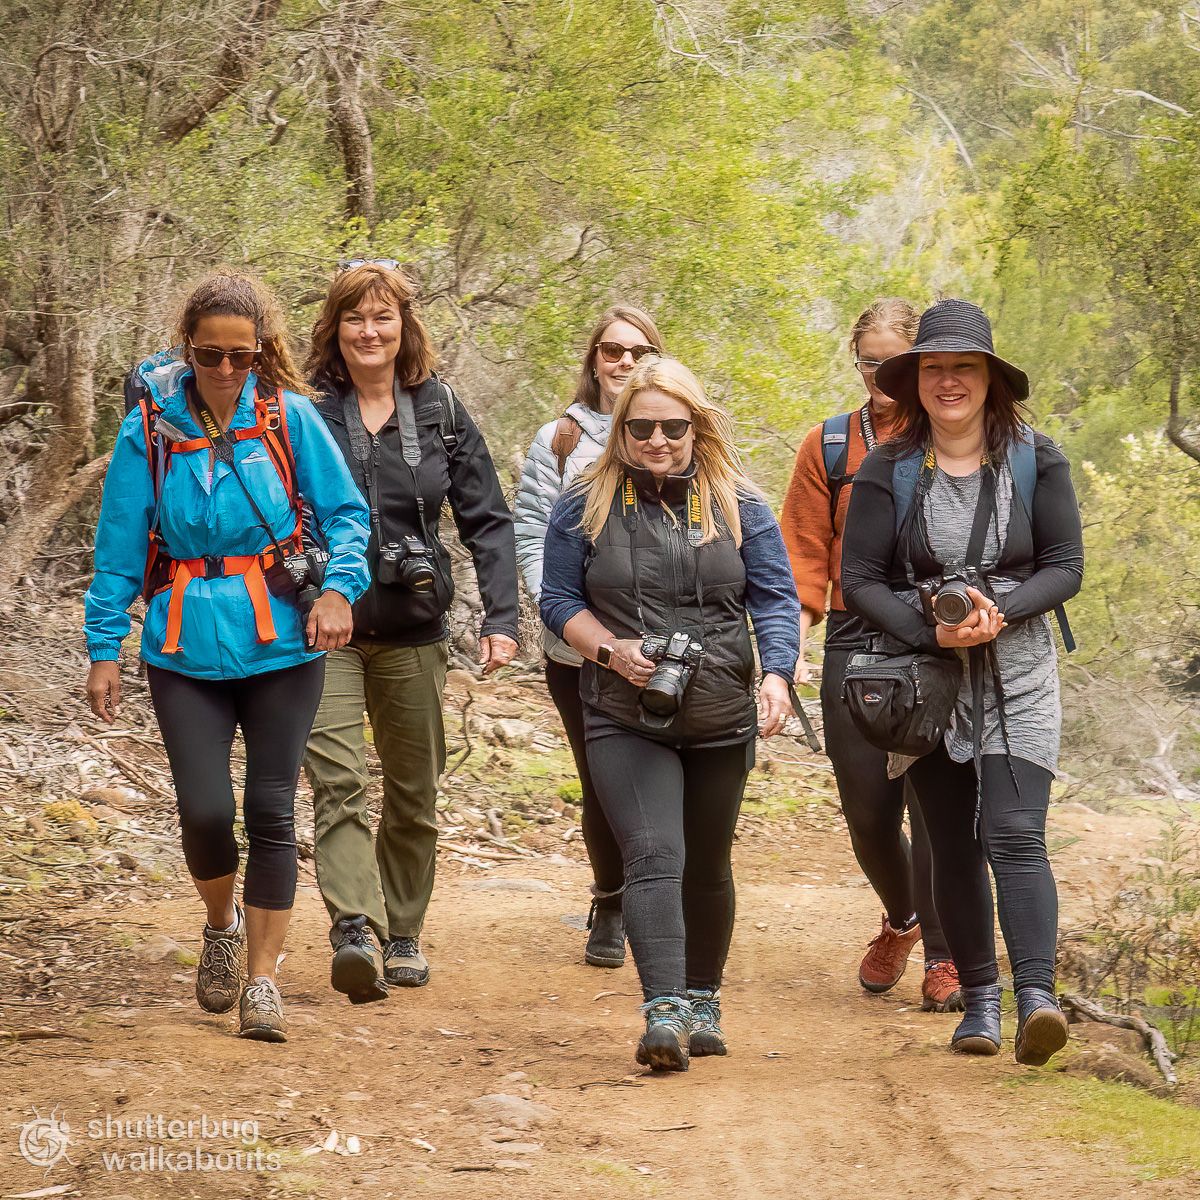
x=602, y=850
x=674, y=812
x=198, y=718
x=1013, y=833
x=873, y=806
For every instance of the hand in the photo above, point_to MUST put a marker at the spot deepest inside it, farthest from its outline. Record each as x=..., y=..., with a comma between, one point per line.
x=330, y=622
x=104, y=690
x=629, y=662
x=803, y=669
x=496, y=651
x=774, y=705
x=983, y=624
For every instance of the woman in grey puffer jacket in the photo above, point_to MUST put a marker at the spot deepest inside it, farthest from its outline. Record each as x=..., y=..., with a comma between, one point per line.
x=562, y=449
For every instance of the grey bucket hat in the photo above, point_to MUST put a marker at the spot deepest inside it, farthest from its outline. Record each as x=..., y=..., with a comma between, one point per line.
x=950, y=326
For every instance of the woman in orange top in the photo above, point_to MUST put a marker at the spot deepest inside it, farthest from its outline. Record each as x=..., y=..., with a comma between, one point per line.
x=814, y=514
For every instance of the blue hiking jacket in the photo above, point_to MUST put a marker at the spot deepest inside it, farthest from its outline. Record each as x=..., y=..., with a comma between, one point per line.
x=204, y=512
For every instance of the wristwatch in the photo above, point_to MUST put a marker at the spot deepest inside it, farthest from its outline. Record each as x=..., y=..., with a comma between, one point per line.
x=604, y=654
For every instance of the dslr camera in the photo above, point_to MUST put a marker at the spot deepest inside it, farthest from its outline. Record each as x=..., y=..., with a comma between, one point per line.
x=298, y=577
x=407, y=563
x=946, y=601
x=677, y=656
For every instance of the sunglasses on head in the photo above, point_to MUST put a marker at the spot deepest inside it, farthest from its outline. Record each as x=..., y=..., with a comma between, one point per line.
x=641, y=429
x=211, y=356
x=613, y=352
x=348, y=264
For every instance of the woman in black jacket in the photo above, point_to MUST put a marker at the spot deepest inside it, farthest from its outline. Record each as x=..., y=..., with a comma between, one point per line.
x=963, y=457
x=412, y=448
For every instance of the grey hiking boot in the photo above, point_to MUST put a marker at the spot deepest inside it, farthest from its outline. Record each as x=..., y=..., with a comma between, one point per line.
x=222, y=965
x=606, y=937
x=262, y=1012
x=357, y=968
x=707, y=1037
x=664, y=1045
x=403, y=963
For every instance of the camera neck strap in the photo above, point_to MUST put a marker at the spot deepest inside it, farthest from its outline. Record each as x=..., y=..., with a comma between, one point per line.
x=361, y=446
x=223, y=447
x=868, y=427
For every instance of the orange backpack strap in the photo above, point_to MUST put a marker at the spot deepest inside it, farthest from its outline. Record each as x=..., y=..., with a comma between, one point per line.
x=567, y=432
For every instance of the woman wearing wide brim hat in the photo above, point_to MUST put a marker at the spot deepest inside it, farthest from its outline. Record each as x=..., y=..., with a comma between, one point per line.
x=962, y=453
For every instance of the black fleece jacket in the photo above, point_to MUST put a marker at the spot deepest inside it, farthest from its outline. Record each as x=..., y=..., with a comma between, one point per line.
x=391, y=613
x=1047, y=555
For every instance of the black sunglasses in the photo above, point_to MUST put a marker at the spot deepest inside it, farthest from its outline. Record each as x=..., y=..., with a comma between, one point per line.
x=211, y=356
x=348, y=264
x=641, y=429
x=613, y=352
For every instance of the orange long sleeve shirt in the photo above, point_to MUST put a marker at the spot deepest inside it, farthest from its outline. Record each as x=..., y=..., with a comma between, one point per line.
x=813, y=539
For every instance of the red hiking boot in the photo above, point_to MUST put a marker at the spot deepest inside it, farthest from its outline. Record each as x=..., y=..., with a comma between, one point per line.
x=887, y=956
x=940, y=989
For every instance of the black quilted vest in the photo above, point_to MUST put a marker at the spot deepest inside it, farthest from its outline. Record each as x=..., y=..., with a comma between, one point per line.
x=719, y=703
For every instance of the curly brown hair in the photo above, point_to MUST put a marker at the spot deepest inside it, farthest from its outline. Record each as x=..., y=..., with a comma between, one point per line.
x=388, y=285
x=228, y=292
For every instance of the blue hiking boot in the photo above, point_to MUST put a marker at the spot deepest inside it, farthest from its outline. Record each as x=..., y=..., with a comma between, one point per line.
x=707, y=1037
x=664, y=1045
x=979, y=1030
x=1041, y=1027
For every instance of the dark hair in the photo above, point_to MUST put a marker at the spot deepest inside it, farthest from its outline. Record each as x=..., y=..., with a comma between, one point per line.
x=230, y=293
x=896, y=316
x=1003, y=416
x=587, y=390
x=416, y=358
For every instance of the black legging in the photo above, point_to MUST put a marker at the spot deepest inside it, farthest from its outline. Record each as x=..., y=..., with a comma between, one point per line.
x=602, y=850
x=873, y=806
x=1013, y=840
x=198, y=718
x=674, y=812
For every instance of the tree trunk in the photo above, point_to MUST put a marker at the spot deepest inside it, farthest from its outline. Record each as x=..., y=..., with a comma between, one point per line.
x=1176, y=424
x=346, y=57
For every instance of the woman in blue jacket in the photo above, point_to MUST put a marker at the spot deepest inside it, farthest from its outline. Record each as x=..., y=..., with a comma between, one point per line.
x=202, y=514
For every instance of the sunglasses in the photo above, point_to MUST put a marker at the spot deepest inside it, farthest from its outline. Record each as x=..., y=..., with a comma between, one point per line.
x=348, y=264
x=613, y=352
x=211, y=356
x=641, y=429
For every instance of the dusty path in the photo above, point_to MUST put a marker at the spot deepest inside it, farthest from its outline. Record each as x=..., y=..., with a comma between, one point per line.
x=829, y=1093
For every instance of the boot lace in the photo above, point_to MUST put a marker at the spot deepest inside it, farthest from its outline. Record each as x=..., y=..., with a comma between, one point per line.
x=219, y=964
x=671, y=1012
x=262, y=999
x=706, y=1012
x=405, y=947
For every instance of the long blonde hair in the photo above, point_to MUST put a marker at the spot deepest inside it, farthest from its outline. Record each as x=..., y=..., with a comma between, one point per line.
x=720, y=475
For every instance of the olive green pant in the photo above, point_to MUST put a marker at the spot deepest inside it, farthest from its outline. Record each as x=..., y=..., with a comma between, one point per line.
x=385, y=876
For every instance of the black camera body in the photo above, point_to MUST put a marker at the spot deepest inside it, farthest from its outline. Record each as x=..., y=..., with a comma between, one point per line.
x=407, y=563
x=946, y=601
x=677, y=656
x=298, y=577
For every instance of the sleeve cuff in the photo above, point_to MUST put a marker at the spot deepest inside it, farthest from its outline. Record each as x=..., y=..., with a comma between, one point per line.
x=105, y=653
x=509, y=631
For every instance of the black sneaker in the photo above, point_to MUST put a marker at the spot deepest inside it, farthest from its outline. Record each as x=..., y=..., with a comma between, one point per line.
x=664, y=1045
x=606, y=937
x=403, y=963
x=357, y=969
x=707, y=1037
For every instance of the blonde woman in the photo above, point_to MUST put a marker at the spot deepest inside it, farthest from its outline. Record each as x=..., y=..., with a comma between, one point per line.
x=653, y=560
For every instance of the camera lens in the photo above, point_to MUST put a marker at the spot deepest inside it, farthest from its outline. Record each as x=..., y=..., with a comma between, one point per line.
x=952, y=605
x=663, y=693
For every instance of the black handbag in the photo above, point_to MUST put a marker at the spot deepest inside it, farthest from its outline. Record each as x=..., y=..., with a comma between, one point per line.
x=902, y=702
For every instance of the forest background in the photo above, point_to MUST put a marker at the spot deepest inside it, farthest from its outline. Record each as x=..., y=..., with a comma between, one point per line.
x=753, y=173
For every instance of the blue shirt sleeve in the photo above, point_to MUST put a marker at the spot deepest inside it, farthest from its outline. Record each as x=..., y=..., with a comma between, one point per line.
x=770, y=589
x=122, y=540
x=326, y=484
x=563, y=561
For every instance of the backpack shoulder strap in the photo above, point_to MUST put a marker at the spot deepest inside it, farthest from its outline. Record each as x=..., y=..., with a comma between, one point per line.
x=567, y=433
x=835, y=452
x=447, y=426
x=904, y=484
x=271, y=412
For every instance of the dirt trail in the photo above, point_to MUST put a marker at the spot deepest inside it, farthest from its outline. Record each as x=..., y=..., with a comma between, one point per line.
x=828, y=1093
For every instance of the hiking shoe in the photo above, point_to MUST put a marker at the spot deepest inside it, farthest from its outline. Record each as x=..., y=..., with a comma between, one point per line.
x=664, y=1045
x=262, y=1012
x=222, y=965
x=606, y=937
x=706, y=1037
x=357, y=969
x=940, y=989
x=403, y=963
x=1041, y=1027
x=979, y=1030
x=887, y=956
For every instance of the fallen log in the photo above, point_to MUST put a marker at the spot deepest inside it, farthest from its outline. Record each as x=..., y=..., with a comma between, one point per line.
x=1156, y=1044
